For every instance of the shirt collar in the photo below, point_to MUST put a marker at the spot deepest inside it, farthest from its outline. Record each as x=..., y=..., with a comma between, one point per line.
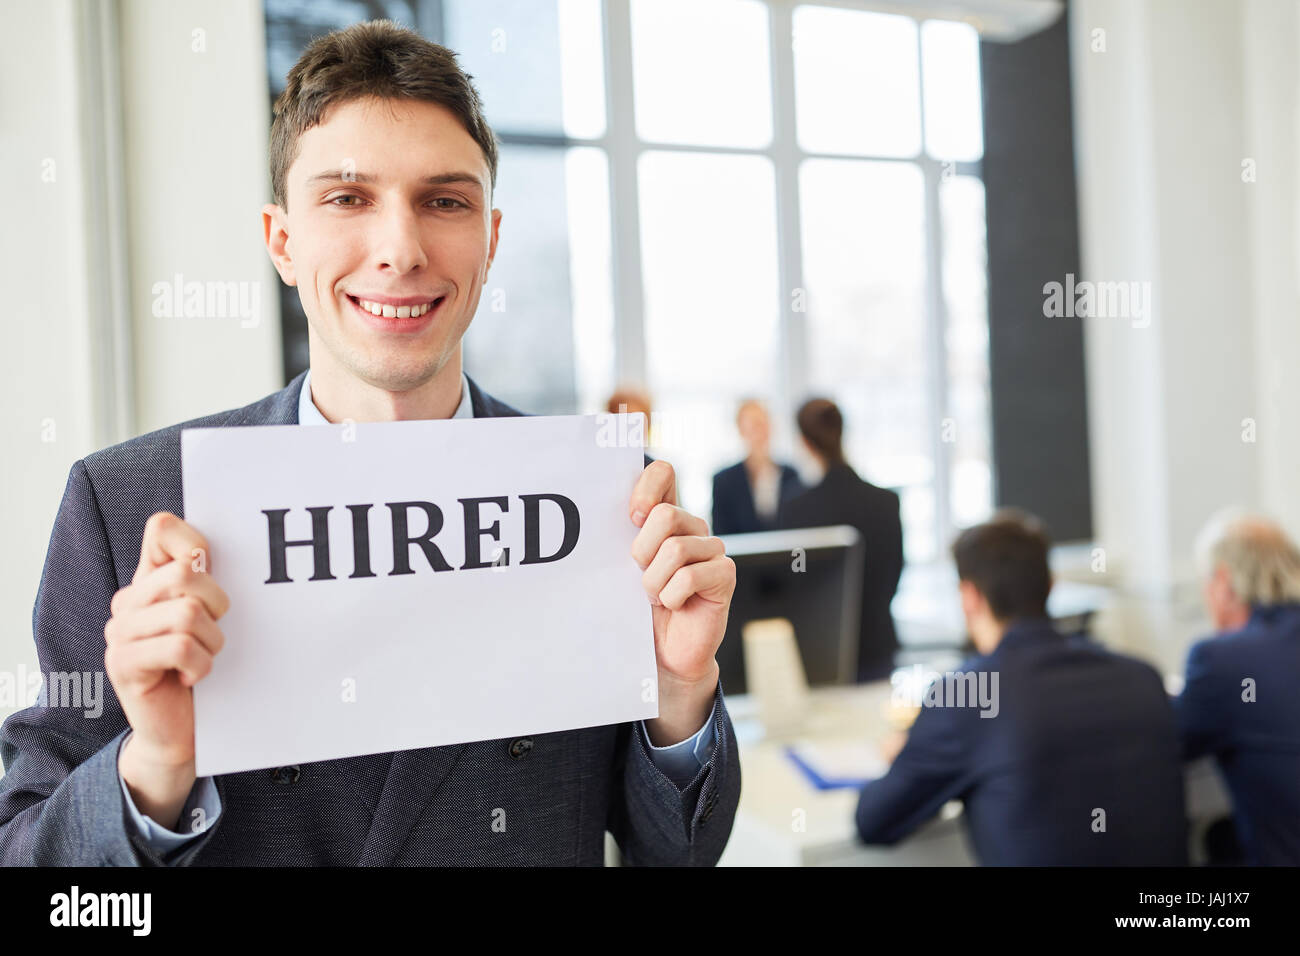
x=309, y=414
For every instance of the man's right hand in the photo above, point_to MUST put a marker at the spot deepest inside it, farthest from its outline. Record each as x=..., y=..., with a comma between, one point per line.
x=160, y=640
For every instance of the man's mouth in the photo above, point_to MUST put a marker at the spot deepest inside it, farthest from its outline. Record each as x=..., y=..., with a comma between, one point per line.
x=404, y=315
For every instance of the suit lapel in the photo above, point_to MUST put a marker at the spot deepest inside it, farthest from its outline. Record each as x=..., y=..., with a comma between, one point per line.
x=278, y=408
x=415, y=776
x=413, y=779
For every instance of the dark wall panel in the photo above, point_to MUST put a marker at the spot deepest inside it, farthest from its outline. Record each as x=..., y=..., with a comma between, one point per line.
x=1040, y=421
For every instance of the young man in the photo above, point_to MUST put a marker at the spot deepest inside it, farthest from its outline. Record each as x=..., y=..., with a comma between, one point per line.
x=1239, y=701
x=1063, y=754
x=382, y=169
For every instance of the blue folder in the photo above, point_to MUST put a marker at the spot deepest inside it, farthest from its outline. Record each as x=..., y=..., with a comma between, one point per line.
x=824, y=783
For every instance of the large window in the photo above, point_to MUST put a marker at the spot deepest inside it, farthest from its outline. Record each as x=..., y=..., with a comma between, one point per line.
x=717, y=199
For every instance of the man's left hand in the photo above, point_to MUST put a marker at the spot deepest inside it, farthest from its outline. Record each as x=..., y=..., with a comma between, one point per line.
x=689, y=580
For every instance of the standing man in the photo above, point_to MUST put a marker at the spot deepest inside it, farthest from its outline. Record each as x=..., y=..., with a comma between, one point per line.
x=382, y=168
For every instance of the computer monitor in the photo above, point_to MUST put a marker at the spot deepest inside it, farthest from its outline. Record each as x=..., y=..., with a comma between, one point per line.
x=813, y=578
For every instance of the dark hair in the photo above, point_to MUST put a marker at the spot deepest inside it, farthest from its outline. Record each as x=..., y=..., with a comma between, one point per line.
x=822, y=426
x=1006, y=559
x=376, y=59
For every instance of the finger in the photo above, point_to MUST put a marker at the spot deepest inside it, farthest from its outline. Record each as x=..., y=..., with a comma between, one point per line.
x=174, y=579
x=675, y=552
x=713, y=580
x=657, y=483
x=166, y=538
x=141, y=663
x=183, y=615
x=665, y=520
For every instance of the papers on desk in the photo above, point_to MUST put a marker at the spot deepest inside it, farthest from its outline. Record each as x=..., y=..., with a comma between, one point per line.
x=838, y=765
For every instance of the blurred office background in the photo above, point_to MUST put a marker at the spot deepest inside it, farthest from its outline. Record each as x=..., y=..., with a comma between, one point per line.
x=716, y=199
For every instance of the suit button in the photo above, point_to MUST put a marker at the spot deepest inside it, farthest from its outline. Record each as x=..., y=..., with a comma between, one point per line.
x=286, y=774
x=521, y=747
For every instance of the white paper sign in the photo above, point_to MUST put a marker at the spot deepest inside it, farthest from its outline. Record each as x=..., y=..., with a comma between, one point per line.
x=526, y=627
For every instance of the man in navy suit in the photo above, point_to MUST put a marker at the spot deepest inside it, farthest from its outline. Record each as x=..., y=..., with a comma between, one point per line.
x=748, y=495
x=1062, y=753
x=1240, y=700
x=382, y=168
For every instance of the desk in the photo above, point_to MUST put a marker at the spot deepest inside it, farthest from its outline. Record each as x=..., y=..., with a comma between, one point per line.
x=773, y=790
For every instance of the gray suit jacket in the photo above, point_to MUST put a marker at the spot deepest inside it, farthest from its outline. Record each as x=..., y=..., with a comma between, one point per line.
x=61, y=802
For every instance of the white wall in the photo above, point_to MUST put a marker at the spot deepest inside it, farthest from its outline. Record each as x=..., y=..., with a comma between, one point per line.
x=46, y=366
x=194, y=173
x=197, y=127
x=1184, y=91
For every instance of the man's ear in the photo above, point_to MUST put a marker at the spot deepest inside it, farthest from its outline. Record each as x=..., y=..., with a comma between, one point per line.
x=492, y=245
x=1222, y=582
x=275, y=232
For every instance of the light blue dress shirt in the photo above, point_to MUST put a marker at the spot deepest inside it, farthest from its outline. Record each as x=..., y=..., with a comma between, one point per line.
x=679, y=762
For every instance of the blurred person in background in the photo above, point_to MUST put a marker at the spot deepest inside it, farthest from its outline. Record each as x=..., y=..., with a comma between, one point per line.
x=1239, y=700
x=844, y=498
x=629, y=401
x=1062, y=753
x=748, y=495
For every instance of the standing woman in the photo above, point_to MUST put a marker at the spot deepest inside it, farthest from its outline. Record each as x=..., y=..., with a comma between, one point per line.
x=748, y=495
x=844, y=498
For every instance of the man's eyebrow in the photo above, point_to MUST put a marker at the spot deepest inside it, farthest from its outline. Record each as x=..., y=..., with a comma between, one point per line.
x=439, y=179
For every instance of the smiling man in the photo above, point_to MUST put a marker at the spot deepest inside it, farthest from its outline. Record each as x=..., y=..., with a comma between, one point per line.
x=382, y=169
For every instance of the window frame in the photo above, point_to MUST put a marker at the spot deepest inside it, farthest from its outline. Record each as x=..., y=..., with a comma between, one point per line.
x=623, y=149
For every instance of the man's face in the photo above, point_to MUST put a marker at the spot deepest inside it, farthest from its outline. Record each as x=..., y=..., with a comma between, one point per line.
x=755, y=429
x=389, y=205
x=1221, y=603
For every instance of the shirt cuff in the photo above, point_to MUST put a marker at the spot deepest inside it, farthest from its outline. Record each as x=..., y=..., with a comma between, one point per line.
x=682, y=761
x=201, y=809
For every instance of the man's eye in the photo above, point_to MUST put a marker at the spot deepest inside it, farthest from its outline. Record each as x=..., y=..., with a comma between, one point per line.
x=335, y=200
x=454, y=203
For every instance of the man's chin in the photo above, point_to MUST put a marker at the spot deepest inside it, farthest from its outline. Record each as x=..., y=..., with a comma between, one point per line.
x=396, y=373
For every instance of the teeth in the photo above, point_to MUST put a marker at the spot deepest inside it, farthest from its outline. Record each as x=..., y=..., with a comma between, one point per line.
x=395, y=312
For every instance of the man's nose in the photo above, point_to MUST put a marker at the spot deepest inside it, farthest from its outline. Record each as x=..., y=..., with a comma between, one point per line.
x=397, y=244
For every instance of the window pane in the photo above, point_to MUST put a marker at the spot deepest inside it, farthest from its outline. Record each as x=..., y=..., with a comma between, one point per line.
x=953, y=112
x=857, y=86
x=538, y=64
x=965, y=291
x=864, y=269
x=708, y=245
x=549, y=278
x=700, y=72
x=916, y=507
x=582, y=65
x=590, y=269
